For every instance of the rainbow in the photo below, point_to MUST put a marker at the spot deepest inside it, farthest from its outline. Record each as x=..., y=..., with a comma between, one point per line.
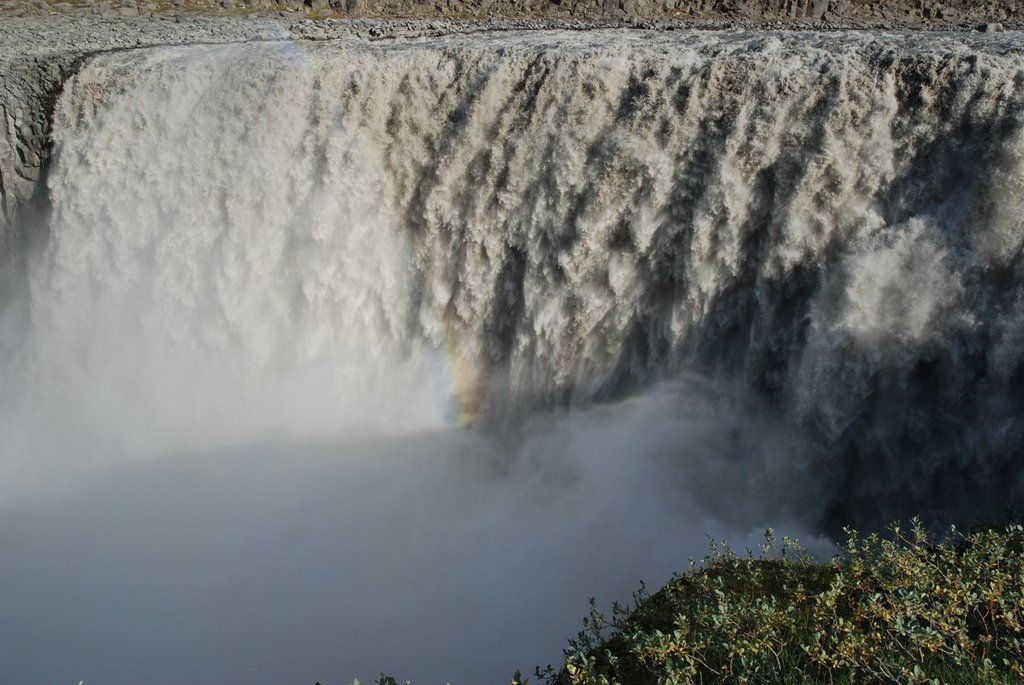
x=463, y=374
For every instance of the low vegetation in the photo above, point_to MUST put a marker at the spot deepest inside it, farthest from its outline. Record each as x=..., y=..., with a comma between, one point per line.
x=904, y=608
x=900, y=608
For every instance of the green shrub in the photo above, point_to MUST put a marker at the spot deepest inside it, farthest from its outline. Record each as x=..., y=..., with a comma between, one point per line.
x=900, y=609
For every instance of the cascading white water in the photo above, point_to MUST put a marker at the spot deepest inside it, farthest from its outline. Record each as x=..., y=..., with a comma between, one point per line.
x=789, y=265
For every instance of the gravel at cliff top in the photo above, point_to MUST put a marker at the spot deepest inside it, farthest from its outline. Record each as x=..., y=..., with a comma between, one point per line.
x=84, y=33
x=63, y=33
x=42, y=35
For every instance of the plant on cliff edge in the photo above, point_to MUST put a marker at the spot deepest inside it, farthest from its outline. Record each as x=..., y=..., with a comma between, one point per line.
x=905, y=608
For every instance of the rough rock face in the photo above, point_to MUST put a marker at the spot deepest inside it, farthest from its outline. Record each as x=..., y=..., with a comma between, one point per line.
x=928, y=12
x=28, y=86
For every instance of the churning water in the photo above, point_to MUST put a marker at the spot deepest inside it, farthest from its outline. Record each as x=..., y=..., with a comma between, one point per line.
x=349, y=357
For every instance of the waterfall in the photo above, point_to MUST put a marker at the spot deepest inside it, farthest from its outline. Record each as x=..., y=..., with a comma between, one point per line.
x=527, y=310
x=833, y=222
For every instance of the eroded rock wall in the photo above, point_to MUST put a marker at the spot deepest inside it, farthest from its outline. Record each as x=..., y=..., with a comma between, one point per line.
x=855, y=12
x=29, y=86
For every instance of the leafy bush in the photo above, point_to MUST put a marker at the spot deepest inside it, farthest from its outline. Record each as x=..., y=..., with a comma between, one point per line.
x=903, y=608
